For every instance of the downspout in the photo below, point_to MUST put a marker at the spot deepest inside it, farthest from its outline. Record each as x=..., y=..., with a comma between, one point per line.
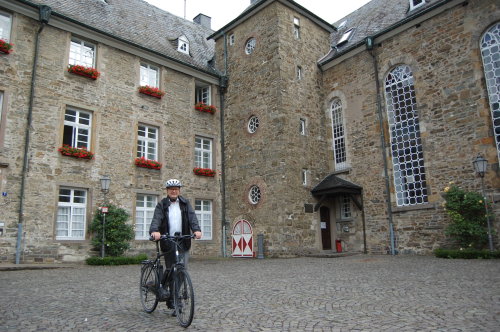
x=369, y=46
x=44, y=15
x=223, y=87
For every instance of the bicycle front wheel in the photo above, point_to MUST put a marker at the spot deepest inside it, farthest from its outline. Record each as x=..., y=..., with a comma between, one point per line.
x=147, y=288
x=183, y=298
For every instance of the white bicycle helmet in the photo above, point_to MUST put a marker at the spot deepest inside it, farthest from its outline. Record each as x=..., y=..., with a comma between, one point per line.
x=173, y=183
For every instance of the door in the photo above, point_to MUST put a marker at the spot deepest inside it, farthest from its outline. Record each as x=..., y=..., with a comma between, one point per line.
x=242, y=244
x=326, y=236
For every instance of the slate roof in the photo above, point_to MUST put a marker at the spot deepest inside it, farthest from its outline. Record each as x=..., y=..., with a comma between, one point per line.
x=371, y=19
x=332, y=184
x=140, y=23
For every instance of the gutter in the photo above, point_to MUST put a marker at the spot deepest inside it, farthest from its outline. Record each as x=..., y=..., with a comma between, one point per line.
x=223, y=87
x=44, y=16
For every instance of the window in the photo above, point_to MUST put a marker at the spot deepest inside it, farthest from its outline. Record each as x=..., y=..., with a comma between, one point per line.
x=149, y=75
x=71, y=214
x=253, y=124
x=81, y=53
x=202, y=93
x=203, y=152
x=203, y=210
x=147, y=142
x=254, y=195
x=250, y=45
x=183, y=45
x=5, y=26
x=345, y=37
x=302, y=127
x=299, y=73
x=342, y=25
x=490, y=52
x=77, y=128
x=231, y=39
x=416, y=3
x=345, y=207
x=406, y=146
x=296, y=28
x=305, y=177
x=144, y=209
x=338, y=135
x=1, y=107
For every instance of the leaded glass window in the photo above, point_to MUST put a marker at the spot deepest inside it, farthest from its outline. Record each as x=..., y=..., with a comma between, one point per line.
x=254, y=195
x=338, y=134
x=406, y=146
x=490, y=52
x=253, y=124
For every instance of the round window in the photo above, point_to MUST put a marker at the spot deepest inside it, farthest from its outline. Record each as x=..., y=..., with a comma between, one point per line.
x=250, y=46
x=254, y=195
x=253, y=124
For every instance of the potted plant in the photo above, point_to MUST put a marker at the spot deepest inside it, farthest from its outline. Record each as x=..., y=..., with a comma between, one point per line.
x=146, y=163
x=151, y=91
x=89, y=72
x=70, y=151
x=204, y=171
x=202, y=107
x=5, y=46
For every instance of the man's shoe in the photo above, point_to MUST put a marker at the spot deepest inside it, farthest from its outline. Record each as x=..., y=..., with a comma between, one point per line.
x=174, y=314
x=164, y=294
x=170, y=304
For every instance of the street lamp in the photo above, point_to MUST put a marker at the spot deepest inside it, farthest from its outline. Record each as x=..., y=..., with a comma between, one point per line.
x=480, y=165
x=105, y=182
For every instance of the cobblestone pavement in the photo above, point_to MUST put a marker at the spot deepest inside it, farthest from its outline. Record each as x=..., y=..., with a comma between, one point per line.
x=355, y=293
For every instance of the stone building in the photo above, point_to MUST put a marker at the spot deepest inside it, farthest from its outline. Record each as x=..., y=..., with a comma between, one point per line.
x=326, y=137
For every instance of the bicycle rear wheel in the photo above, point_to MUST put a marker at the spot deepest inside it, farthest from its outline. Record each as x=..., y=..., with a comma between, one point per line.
x=147, y=288
x=183, y=298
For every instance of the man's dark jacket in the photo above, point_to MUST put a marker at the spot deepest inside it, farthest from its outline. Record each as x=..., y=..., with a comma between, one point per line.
x=160, y=220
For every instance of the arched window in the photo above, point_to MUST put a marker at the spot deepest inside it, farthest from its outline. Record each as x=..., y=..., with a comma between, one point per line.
x=406, y=146
x=338, y=135
x=490, y=52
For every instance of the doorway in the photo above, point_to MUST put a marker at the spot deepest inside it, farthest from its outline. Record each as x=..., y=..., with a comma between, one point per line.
x=326, y=235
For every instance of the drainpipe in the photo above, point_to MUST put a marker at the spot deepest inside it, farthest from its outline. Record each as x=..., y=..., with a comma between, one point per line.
x=223, y=86
x=44, y=16
x=369, y=45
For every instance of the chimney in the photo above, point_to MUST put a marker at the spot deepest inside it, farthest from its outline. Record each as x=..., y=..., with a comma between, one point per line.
x=203, y=20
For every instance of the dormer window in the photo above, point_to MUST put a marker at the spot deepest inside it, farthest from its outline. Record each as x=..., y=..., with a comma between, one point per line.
x=414, y=4
x=183, y=45
x=345, y=37
x=342, y=25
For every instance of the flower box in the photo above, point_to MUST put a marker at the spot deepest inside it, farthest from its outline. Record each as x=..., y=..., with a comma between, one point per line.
x=151, y=91
x=70, y=151
x=146, y=163
x=89, y=72
x=5, y=46
x=202, y=107
x=204, y=171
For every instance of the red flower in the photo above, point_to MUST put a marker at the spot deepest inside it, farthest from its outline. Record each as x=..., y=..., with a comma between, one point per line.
x=84, y=71
x=146, y=163
x=202, y=107
x=204, y=171
x=70, y=151
x=5, y=46
x=151, y=91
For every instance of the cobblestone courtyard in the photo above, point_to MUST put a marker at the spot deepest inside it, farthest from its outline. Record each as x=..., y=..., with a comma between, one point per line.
x=356, y=293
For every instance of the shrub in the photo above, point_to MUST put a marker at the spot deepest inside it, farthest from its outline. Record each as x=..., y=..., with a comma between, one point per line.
x=466, y=253
x=117, y=232
x=120, y=260
x=468, y=217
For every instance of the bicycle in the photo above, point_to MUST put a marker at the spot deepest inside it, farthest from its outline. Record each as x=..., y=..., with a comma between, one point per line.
x=154, y=283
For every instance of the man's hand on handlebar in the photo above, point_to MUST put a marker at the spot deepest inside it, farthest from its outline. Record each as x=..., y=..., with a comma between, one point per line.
x=197, y=235
x=156, y=235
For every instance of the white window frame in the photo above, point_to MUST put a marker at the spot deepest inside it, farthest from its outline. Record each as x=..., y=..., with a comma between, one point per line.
x=183, y=45
x=1, y=108
x=296, y=28
x=204, y=214
x=254, y=195
x=147, y=142
x=253, y=124
x=145, y=205
x=305, y=177
x=203, y=152
x=5, y=26
x=414, y=4
x=149, y=75
x=231, y=39
x=302, y=126
x=203, y=93
x=82, y=53
x=75, y=211
x=338, y=135
x=80, y=124
x=250, y=45
x=299, y=73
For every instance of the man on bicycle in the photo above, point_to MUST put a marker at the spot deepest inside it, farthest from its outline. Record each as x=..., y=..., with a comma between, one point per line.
x=174, y=214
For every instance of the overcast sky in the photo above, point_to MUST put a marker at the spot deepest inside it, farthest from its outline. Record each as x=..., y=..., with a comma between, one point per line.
x=224, y=11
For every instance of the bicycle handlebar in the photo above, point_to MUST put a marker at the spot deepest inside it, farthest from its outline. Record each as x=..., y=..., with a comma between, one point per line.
x=174, y=237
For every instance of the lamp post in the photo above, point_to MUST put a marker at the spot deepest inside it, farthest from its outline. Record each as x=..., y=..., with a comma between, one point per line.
x=105, y=182
x=480, y=165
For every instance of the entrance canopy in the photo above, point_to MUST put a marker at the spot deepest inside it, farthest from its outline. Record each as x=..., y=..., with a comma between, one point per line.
x=332, y=186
